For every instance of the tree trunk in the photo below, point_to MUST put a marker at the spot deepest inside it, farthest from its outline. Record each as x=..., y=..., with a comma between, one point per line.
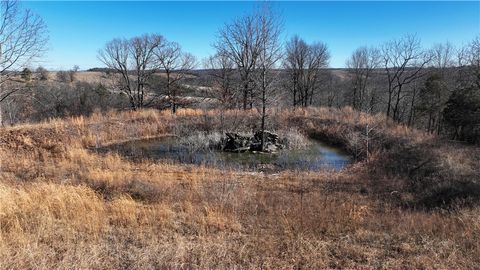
x=412, y=109
x=354, y=101
x=245, y=95
x=173, y=100
x=396, y=116
x=439, y=123
x=311, y=97
x=389, y=104
x=264, y=105
x=294, y=96
x=429, y=122
x=251, y=99
x=174, y=107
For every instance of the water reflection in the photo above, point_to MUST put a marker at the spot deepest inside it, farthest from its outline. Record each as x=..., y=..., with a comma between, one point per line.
x=316, y=156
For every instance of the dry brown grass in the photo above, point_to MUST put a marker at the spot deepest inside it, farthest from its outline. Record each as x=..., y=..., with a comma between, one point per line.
x=65, y=206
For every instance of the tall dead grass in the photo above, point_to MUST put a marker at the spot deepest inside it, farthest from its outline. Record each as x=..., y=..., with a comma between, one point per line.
x=65, y=206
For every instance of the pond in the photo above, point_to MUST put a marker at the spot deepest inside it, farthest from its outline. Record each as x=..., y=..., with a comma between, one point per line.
x=316, y=156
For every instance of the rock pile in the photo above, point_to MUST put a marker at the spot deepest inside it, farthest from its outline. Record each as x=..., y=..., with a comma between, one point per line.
x=237, y=143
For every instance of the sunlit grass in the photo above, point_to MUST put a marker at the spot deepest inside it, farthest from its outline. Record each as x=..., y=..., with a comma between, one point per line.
x=62, y=205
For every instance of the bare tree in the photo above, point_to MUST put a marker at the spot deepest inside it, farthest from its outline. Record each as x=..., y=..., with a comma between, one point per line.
x=362, y=65
x=176, y=64
x=62, y=76
x=67, y=76
x=26, y=74
x=317, y=60
x=240, y=41
x=442, y=55
x=269, y=55
x=303, y=63
x=294, y=63
x=223, y=74
x=474, y=59
x=468, y=61
x=330, y=89
x=134, y=62
x=72, y=73
x=432, y=98
x=403, y=61
x=42, y=73
x=22, y=40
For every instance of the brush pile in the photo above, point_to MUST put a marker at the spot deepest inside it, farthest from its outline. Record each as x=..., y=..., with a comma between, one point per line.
x=238, y=143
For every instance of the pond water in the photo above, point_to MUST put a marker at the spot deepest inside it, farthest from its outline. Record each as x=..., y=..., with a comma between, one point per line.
x=316, y=156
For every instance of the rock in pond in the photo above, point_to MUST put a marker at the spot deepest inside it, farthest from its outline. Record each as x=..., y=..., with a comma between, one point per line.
x=237, y=143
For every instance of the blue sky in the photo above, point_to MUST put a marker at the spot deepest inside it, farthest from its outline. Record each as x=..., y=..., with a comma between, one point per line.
x=78, y=29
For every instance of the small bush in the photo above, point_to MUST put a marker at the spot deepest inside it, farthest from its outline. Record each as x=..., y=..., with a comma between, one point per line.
x=201, y=141
x=293, y=139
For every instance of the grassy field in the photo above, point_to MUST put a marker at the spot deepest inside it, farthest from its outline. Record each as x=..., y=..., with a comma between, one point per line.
x=410, y=200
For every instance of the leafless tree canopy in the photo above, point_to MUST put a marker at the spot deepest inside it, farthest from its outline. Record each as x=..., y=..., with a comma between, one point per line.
x=223, y=74
x=442, y=55
x=468, y=60
x=175, y=63
x=403, y=60
x=22, y=39
x=42, y=73
x=303, y=63
x=134, y=61
x=270, y=52
x=362, y=64
x=241, y=42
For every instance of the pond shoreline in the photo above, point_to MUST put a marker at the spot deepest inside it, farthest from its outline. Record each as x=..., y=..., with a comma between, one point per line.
x=316, y=156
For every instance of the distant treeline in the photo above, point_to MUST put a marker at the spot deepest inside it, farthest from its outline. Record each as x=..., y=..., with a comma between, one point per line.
x=436, y=89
